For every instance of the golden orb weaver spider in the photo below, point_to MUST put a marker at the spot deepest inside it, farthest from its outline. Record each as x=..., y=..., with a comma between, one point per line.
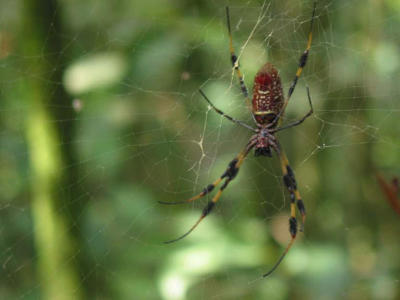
x=268, y=107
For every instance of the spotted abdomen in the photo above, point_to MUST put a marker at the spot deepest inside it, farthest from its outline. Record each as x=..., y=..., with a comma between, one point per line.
x=267, y=94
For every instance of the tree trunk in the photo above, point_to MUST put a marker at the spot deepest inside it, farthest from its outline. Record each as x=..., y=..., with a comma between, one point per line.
x=50, y=150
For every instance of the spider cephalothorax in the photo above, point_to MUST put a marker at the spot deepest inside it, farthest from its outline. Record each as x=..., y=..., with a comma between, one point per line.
x=267, y=106
x=265, y=142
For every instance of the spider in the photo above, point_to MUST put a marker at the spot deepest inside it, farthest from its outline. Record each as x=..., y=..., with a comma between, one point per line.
x=268, y=107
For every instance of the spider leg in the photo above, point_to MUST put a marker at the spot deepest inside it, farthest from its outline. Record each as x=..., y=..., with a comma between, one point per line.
x=290, y=183
x=205, y=191
x=235, y=61
x=302, y=63
x=225, y=115
x=298, y=122
x=229, y=174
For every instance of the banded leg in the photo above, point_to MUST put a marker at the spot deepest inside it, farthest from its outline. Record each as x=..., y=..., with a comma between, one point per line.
x=225, y=115
x=290, y=183
x=209, y=188
x=302, y=63
x=235, y=61
x=229, y=174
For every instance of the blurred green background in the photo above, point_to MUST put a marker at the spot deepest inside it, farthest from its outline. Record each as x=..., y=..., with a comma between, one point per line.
x=101, y=118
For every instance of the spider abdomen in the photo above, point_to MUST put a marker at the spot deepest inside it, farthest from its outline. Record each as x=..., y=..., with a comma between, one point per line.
x=267, y=94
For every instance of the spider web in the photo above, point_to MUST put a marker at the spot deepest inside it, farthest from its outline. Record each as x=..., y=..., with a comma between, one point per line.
x=143, y=134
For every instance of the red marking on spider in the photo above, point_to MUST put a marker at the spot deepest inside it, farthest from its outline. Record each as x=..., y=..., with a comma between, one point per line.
x=267, y=94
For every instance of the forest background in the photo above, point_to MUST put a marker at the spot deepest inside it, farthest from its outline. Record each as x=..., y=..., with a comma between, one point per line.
x=100, y=118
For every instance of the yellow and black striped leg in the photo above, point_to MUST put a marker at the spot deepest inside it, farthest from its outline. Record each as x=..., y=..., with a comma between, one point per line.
x=229, y=174
x=290, y=183
x=303, y=57
x=235, y=61
x=302, y=63
x=205, y=191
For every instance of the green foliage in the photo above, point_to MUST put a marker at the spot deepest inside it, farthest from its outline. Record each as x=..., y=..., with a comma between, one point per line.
x=142, y=133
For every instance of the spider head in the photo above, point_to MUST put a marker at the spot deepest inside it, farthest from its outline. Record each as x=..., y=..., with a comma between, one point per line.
x=265, y=140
